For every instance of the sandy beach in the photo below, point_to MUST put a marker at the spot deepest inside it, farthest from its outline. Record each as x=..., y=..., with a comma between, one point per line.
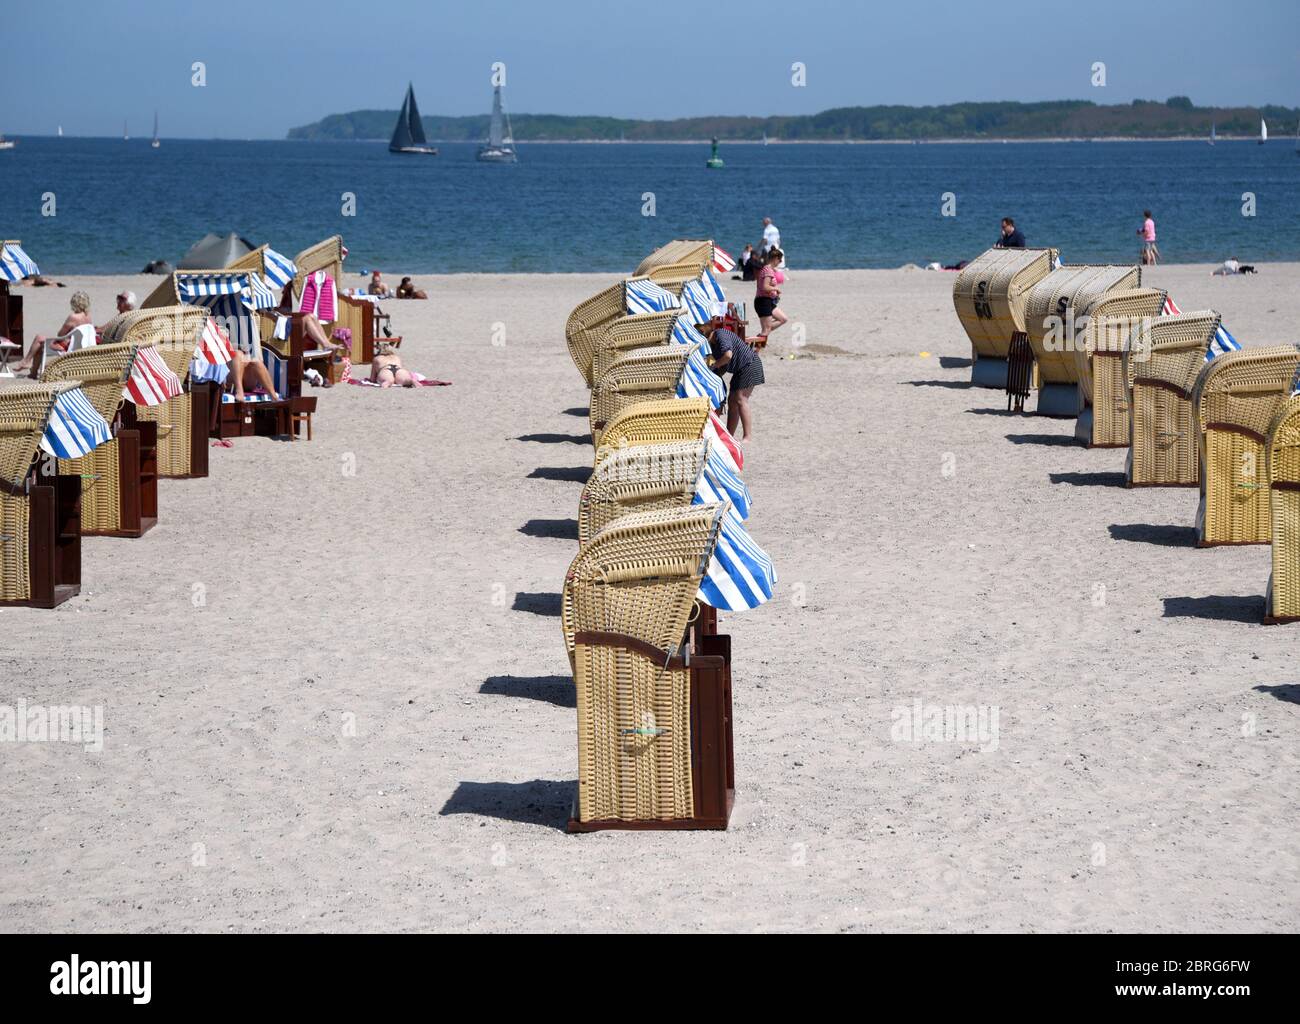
x=336, y=697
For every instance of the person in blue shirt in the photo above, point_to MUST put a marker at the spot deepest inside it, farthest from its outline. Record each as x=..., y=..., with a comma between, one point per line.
x=1011, y=237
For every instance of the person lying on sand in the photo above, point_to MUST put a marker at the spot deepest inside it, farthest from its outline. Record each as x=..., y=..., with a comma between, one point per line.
x=58, y=344
x=386, y=368
x=406, y=290
x=377, y=286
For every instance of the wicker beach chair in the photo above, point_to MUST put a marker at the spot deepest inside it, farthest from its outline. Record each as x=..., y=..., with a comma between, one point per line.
x=655, y=422
x=628, y=600
x=696, y=252
x=1105, y=384
x=587, y=324
x=643, y=330
x=176, y=331
x=357, y=315
x=40, y=523
x=1235, y=400
x=639, y=375
x=641, y=479
x=989, y=295
x=1057, y=308
x=119, y=492
x=1163, y=358
x=1283, y=471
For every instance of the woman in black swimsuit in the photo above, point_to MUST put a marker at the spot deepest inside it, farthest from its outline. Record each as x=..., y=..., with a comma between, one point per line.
x=732, y=354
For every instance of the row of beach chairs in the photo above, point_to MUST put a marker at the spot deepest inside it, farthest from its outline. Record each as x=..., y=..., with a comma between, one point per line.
x=1192, y=406
x=662, y=547
x=83, y=449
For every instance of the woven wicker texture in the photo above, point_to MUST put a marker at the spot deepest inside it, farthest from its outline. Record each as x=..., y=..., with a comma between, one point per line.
x=641, y=375
x=102, y=370
x=989, y=295
x=673, y=276
x=642, y=330
x=1283, y=470
x=679, y=250
x=1056, y=307
x=659, y=422
x=24, y=413
x=325, y=255
x=638, y=577
x=1235, y=398
x=641, y=479
x=587, y=322
x=1104, y=378
x=1163, y=359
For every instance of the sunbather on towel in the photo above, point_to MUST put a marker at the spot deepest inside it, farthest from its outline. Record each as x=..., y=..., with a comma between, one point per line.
x=386, y=368
x=246, y=372
x=58, y=344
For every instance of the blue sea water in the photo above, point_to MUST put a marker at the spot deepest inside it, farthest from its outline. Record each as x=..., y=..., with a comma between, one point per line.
x=573, y=207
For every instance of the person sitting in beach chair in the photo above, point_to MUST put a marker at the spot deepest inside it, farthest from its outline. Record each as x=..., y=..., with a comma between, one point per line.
x=406, y=290
x=249, y=374
x=386, y=368
x=311, y=326
x=68, y=339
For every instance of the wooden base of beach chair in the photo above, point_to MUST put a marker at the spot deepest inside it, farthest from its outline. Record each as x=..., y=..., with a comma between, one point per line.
x=11, y=317
x=989, y=372
x=53, y=544
x=1058, y=401
x=713, y=772
x=119, y=484
x=191, y=463
x=1019, y=380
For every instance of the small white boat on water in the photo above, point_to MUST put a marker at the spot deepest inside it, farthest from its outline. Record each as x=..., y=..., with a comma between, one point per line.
x=1263, y=131
x=155, y=143
x=6, y=143
x=500, y=145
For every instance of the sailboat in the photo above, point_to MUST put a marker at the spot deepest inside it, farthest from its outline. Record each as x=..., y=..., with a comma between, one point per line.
x=60, y=131
x=6, y=143
x=1263, y=131
x=408, y=133
x=1214, y=135
x=765, y=139
x=500, y=147
x=155, y=143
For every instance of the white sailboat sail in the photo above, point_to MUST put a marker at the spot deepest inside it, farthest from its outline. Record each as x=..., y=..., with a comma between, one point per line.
x=499, y=148
x=1263, y=131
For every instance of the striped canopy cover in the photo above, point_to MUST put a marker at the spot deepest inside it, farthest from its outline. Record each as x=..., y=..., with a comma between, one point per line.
x=718, y=482
x=723, y=443
x=152, y=381
x=1222, y=342
x=647, y=297
x=75, y=427
x=16, y=264
x=234, y=297
x=698, y=381
x=280, y=270
x=722, y=261
x=740, y=574
x=212, y=355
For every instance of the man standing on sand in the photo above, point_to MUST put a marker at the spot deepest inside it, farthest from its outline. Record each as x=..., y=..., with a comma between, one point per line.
x=771, y=238
x=1011, y=238
x=1150, y=254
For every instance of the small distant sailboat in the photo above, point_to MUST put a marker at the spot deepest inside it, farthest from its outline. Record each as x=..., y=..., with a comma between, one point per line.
x=1214, y=135
x=1263, y=131
x=500, y=147
x=408, y=133
x=155, y=143
x=714, y=162
x=59, y=133
x=766, y=141
x=6, y=143
x=125, y=136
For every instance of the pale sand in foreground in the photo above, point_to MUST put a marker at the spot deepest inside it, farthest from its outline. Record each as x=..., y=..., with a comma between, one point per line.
x=1149, y=740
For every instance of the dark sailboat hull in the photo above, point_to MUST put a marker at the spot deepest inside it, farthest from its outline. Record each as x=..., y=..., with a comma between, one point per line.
x=414, y=150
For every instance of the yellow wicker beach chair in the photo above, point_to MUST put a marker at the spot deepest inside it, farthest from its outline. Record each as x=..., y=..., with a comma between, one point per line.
x=641, y=479
x=643, y=330
x=628, y=599
x=589, y=320
x=1283, y=471
x=697, y=252
x=1105, y=384
x=357, y=315
x=989, y=295
x=40, y=521
x=1056, y=310
x=119, y=484
x=176, y=331
x=1163, y=359
x=640, y=375
x=656, y=422
x=1235, y=399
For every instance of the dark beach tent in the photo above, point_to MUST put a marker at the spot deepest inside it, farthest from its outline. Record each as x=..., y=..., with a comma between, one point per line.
x=212, y=252
x=157, y=267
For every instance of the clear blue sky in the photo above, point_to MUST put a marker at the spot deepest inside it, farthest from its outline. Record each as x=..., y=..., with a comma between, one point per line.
x=272, y=65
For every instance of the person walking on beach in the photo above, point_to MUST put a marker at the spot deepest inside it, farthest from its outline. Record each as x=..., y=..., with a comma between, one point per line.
x=768, y=294
x=732, y=355
x=1150, y=254
x=1011, y=237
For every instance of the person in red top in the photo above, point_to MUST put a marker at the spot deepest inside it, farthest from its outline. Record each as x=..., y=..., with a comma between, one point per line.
x=768, y=294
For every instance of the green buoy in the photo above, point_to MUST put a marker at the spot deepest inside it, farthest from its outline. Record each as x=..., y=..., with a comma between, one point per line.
x=714, y=162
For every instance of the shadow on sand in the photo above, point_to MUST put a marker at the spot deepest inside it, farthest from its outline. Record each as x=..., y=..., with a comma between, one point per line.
x=1218, y=607
x=572, y=474
x=556, y=438
x=562, y=529
x=544, y=802
x=1161, y=534
x=1088, y=479
x=557, y=690
x=537, y=604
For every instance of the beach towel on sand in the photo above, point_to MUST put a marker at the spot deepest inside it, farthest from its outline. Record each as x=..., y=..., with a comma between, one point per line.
x=421, y=381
